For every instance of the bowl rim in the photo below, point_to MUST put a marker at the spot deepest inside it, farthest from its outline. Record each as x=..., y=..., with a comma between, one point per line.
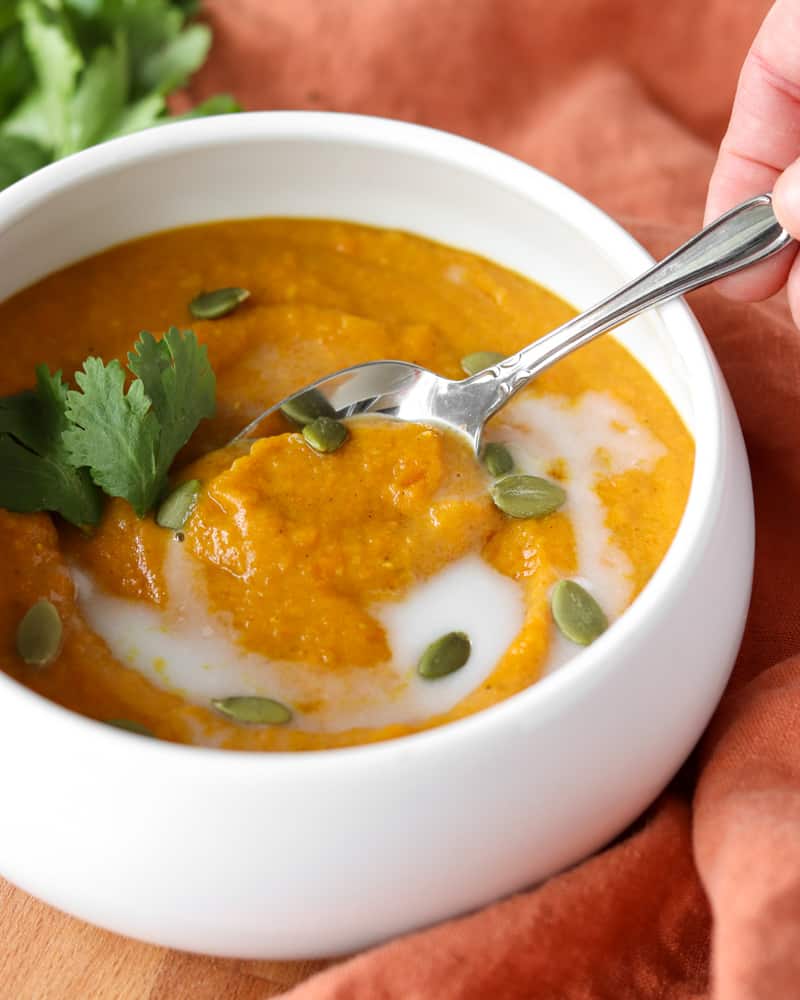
x=555, y=691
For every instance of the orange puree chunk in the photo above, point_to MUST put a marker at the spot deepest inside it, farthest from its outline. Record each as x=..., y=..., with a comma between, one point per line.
x=124, y=555
x=309, y=542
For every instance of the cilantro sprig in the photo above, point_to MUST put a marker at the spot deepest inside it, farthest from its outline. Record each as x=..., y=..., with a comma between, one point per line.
x=60, y=447
x=77, y=72
x=36, y=470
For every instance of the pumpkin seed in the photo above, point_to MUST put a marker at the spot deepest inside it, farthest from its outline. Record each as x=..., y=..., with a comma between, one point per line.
x=478, y=361
x=174, y=511
x=309, y=405
x=214, y=305
x=527, y=496
x=577, y=614
x=248, y=708
x=39, y=634
x=444, y=656
x=131, y=727
x=497, y=459
x=325, y=434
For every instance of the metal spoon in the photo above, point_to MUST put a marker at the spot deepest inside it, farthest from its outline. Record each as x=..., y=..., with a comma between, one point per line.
x=743, y=236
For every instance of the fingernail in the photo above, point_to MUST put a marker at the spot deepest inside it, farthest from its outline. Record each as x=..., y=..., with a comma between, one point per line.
x=786, y=199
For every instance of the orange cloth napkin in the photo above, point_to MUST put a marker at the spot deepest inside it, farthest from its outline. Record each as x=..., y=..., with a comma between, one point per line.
x=625, y=100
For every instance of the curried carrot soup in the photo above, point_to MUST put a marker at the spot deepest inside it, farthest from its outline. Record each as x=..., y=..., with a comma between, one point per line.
x=328, y=584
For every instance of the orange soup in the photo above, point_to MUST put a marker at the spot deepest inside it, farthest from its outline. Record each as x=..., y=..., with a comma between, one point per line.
x=319, y=584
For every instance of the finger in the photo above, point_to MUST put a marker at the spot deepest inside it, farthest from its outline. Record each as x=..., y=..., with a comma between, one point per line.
x=763, y=138
x=793, y=290
x=761, y=280
x=786, y=199
x=786, y=203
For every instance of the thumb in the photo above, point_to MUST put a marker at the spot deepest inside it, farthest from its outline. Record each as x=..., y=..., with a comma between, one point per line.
x=763, y=141
x=786, y=199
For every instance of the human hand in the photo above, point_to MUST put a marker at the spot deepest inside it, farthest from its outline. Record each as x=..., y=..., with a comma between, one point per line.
x=761, y=150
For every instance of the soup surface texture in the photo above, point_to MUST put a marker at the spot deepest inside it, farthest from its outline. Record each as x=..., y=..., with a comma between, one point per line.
x=319, y=579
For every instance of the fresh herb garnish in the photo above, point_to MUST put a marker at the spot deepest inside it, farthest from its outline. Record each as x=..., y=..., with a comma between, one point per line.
x=37, y=470
x=128, y=440
x=77, y=72
x=58, y=445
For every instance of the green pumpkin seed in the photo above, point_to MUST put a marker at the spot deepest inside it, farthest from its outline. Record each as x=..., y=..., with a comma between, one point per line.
x=39, y=634
x=497, y=459
x=247, y=708
x=478, y=361
x=131, y=727
x=214, y=305
x=309, y=405
x=325, y=434
x=527, y=496
x=577, y=614
x=174, y=511
x=444, y=656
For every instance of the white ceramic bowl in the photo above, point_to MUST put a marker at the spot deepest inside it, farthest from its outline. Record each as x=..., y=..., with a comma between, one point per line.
x=285, y=856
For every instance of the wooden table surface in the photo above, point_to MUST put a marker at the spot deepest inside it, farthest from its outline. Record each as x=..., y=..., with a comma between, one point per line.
x=45, y=955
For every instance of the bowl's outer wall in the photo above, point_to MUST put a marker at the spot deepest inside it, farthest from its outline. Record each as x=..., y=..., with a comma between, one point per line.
x=288, y=856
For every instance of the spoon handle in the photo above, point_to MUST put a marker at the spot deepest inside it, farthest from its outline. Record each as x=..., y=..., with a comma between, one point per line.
x=743, y=236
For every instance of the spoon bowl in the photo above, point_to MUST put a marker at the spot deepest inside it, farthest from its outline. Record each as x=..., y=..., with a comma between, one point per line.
x=394, y=389
x=746, y=235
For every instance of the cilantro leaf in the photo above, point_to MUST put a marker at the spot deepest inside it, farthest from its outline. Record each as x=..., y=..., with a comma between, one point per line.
x=16, y=72
x=141, y=114
x=149, y=111
x=58, y=445
x=114, y=434
x=29, y=121
x=76, y=72
x=57, y=61
x=172, y=65
x=37, y=473
x=189, y=7
x=19, y=157
x=220, y=104
x=180, y=384
x=148, y=25
x=128, y=440
x=8, y=13
x=100, y=96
